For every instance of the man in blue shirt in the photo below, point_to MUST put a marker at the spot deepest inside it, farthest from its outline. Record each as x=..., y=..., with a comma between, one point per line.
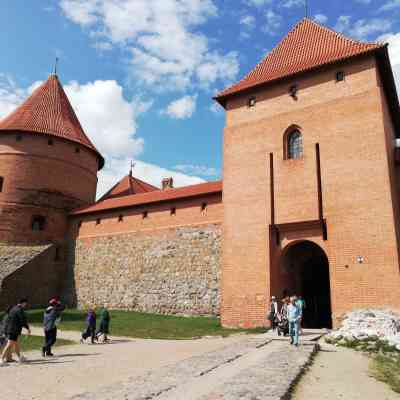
x=294, y=317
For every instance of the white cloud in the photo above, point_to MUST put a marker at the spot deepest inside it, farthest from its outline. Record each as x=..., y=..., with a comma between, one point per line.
x=293, y=3
x=390, y=5
x=257, y=3
x=168, y=52
x=248, y=21
x=362, y=28
x=107, y=117
x=216, y=108
x=201, y=170
x=274, y=22
x=320, y=18
x=394, y=46
x=182, y=108
x=153, y=174
x=10, y=95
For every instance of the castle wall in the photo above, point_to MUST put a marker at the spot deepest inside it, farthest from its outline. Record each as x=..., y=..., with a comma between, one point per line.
x=42, y=179
x=35, y=272
x=346, y=119
x=163, y=263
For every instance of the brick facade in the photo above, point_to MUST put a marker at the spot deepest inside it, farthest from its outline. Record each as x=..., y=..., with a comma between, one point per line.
x=42, y=180
x=350, y=121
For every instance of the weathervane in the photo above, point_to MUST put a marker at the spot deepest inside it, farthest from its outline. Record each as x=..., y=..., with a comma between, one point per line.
x=55, y=66
x=306, y=7
x=132, y=166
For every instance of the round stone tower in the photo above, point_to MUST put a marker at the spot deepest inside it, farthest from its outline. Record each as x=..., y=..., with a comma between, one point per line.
x=48, y=166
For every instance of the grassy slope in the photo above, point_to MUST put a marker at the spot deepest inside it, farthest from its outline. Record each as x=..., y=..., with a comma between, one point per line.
x=141, y=325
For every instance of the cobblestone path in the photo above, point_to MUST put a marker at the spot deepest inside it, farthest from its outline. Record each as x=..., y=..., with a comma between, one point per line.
x=256, y=368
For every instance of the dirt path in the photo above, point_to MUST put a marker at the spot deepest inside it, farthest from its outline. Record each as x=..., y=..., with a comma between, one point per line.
x=81, y=368
x=340, y=373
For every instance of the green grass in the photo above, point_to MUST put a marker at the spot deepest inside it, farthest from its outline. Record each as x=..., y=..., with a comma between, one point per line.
x=36, y=342
x=151, y=326
x=386, y=368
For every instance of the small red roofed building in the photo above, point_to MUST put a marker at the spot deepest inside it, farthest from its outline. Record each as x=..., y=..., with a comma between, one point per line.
x=309, y=204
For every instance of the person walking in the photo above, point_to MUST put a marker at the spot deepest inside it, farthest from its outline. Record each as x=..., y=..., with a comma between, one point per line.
x=15, y=322
x=3, y=335
x=273, y=312
x=51, y=317
x=104, y=327
x=294, y=316
x=91, y=327
x=302, y=305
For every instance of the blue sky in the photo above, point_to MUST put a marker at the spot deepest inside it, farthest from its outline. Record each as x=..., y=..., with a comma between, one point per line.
x=141, y=73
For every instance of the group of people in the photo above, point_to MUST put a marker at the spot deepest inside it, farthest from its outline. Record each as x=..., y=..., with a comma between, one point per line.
x=91, y=324
x=14, y=320
x=287, y=318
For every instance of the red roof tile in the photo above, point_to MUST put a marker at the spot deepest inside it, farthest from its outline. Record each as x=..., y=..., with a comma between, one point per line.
x=48, y=111
x=152, y=197
x=127, y=186
x=309, y=45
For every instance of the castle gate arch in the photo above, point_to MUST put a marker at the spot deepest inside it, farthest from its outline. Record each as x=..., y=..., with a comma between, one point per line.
x=304, y=268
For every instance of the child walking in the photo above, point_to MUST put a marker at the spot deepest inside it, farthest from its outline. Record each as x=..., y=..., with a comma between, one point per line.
x=91, y=327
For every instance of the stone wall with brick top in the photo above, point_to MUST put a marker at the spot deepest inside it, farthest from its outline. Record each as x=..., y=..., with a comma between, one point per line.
x=166, y=271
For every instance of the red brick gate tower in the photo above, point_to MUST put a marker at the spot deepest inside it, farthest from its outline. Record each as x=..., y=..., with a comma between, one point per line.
x=311, y=185
x=48, y=166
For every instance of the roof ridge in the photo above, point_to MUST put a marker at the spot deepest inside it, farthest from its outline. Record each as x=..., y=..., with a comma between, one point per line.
x=307, y=45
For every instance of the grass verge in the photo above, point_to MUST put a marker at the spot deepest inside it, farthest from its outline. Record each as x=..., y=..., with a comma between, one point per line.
x=32, y=342
x=386, y=368
x=149, y=326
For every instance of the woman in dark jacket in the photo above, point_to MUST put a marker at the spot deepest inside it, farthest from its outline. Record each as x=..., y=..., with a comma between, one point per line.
x=104, y=328
x=91, y=327
x=15, y=322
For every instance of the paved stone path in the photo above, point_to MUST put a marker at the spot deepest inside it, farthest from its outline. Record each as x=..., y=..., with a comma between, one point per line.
x=255, y=368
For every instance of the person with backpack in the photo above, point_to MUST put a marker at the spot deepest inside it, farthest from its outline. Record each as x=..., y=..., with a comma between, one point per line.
x=91, y=327
x=51, y=317
x=15, y=322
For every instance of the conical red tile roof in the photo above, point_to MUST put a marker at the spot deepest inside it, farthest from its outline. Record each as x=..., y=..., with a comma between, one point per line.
x=48, y=111
x=307, y=46
x=127, y=186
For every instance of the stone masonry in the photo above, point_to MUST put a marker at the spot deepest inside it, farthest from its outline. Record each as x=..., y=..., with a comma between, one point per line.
x=172, y=271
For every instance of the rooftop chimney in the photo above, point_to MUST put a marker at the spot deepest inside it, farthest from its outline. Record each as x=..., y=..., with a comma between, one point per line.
x=167, y=183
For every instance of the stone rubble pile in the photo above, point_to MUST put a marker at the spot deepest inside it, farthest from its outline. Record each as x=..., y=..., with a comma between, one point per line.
x=369, y=324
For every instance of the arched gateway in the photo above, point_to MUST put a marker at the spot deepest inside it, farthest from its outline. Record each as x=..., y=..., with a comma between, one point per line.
x=305, y=267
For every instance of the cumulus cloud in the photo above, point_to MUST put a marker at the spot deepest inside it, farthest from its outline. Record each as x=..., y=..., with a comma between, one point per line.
x=182, y=108
x=320, y=18
x=362, y=28
x=257, y=3
x=201, y=170
x=273, y=22
x=390, y=5
x=108, y=118
x=151, y=173
x=167, y=50
x=293, y=3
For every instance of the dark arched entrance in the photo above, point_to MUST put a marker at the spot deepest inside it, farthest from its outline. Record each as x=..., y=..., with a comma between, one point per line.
x=306, y=268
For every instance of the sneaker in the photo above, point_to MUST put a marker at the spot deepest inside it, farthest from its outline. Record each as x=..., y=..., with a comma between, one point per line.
x=50, y=354
x=82, y=341
x=3, y=363
x=22, y=360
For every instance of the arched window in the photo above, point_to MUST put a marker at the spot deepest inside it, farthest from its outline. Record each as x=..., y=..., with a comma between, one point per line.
x=294, y=145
